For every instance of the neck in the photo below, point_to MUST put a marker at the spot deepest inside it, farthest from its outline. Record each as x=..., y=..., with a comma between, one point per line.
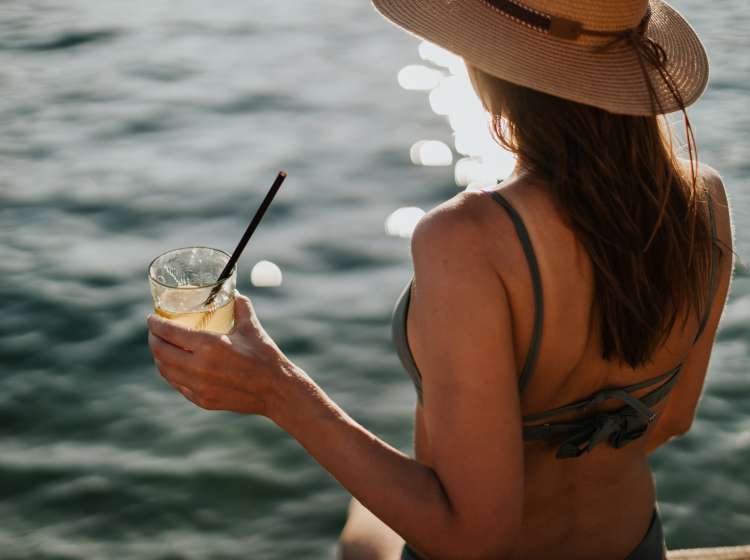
x=520, y=170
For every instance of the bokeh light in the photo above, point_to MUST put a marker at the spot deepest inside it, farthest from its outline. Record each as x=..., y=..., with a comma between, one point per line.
x=417, y=77
x=266, y=274
x=441, y=57
x=402, y=222
x=453, y=96
x=431, y=153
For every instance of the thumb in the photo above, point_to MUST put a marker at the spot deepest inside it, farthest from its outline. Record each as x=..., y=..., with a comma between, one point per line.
x=244, y=314
x=246, y=323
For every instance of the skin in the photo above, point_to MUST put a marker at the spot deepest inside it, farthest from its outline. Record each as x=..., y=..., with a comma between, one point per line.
x=473, y=490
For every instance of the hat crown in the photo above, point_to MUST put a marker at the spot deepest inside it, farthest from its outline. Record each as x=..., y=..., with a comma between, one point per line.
x=609, y=15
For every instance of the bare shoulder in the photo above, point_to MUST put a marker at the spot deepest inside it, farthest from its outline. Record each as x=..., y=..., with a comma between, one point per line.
x=471, y=225
x=708, y=173
x=452, y=229
x=722, y=206
x=721, y=202
x=711, y=178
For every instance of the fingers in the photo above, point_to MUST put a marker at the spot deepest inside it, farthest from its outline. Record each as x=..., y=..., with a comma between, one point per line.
x=182, y=379
x=186, y=339
x=178, y=367
x=196, y=392
x=168, y=353
x=193, y=369
x=186, y=392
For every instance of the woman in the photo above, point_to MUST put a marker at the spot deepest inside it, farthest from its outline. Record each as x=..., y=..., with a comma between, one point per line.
x=559, y=326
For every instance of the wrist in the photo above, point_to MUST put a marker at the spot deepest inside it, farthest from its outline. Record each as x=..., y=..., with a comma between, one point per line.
x=292, y=392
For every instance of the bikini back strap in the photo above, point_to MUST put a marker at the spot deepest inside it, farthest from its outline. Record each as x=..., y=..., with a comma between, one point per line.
x=536, y=279
x=619, y=427
x=667, y=379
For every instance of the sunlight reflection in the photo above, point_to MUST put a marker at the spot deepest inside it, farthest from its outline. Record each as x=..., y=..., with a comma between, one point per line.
x=431, y=153
x=418, y=77
x=473, y=169
x=441, y=57
x=476, y=186
x=266, y=274
x=402, y=222
x=451, y=95
x=454, y=98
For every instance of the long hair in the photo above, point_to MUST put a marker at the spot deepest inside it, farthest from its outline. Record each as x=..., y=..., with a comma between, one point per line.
x=637, y=210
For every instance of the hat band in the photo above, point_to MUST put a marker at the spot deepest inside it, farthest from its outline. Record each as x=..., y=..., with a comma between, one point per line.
x=560, y=27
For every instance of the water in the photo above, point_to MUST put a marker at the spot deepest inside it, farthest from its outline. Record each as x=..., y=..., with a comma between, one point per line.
x=130, y=128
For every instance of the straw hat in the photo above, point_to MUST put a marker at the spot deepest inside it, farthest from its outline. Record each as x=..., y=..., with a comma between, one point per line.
x=596, y=52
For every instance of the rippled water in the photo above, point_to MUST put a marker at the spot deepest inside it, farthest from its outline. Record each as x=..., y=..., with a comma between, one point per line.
x=130, y=128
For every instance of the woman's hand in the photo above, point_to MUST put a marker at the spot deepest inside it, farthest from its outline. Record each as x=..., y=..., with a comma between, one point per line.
x=242, y=372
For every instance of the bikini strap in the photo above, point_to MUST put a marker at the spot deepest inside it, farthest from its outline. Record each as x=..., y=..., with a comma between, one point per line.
x=712, y=274
x=667, y=380
x=536, y=279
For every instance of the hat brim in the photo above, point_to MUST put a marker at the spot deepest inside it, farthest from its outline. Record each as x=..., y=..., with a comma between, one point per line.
x=611, y=79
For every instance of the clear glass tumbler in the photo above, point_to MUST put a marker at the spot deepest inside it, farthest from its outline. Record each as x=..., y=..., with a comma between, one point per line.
x=182, y=279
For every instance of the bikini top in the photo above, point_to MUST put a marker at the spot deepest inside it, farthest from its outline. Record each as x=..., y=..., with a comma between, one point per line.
x=576, y=437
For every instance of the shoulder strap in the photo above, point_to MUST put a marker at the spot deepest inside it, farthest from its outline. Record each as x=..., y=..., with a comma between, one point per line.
x=536, y=280
x=712, y=274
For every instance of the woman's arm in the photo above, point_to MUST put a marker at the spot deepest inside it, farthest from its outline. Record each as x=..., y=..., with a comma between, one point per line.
x=404, y=494
x=469, y=505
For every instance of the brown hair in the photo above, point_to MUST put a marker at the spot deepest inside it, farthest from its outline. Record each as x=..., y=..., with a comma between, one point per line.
x=635, y=208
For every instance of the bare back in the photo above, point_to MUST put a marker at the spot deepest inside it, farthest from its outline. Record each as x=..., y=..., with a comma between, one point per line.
x=601, y=503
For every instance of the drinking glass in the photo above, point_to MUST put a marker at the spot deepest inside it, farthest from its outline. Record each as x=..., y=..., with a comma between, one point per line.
x=182, y=279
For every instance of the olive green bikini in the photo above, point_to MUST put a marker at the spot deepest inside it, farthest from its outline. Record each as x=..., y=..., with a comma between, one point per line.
x=576, y=437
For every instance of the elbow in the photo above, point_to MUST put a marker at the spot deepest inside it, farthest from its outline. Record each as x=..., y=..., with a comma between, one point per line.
x=673, y=423
x=680, y=425
x=683, y=427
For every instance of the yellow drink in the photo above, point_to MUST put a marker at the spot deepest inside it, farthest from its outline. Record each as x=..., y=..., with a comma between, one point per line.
x=221, y=320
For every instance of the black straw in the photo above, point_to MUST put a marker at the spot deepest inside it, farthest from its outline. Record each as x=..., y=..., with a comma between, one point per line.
x=246, y=237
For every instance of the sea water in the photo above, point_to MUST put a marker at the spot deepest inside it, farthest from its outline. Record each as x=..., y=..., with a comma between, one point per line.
x=131, y=128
